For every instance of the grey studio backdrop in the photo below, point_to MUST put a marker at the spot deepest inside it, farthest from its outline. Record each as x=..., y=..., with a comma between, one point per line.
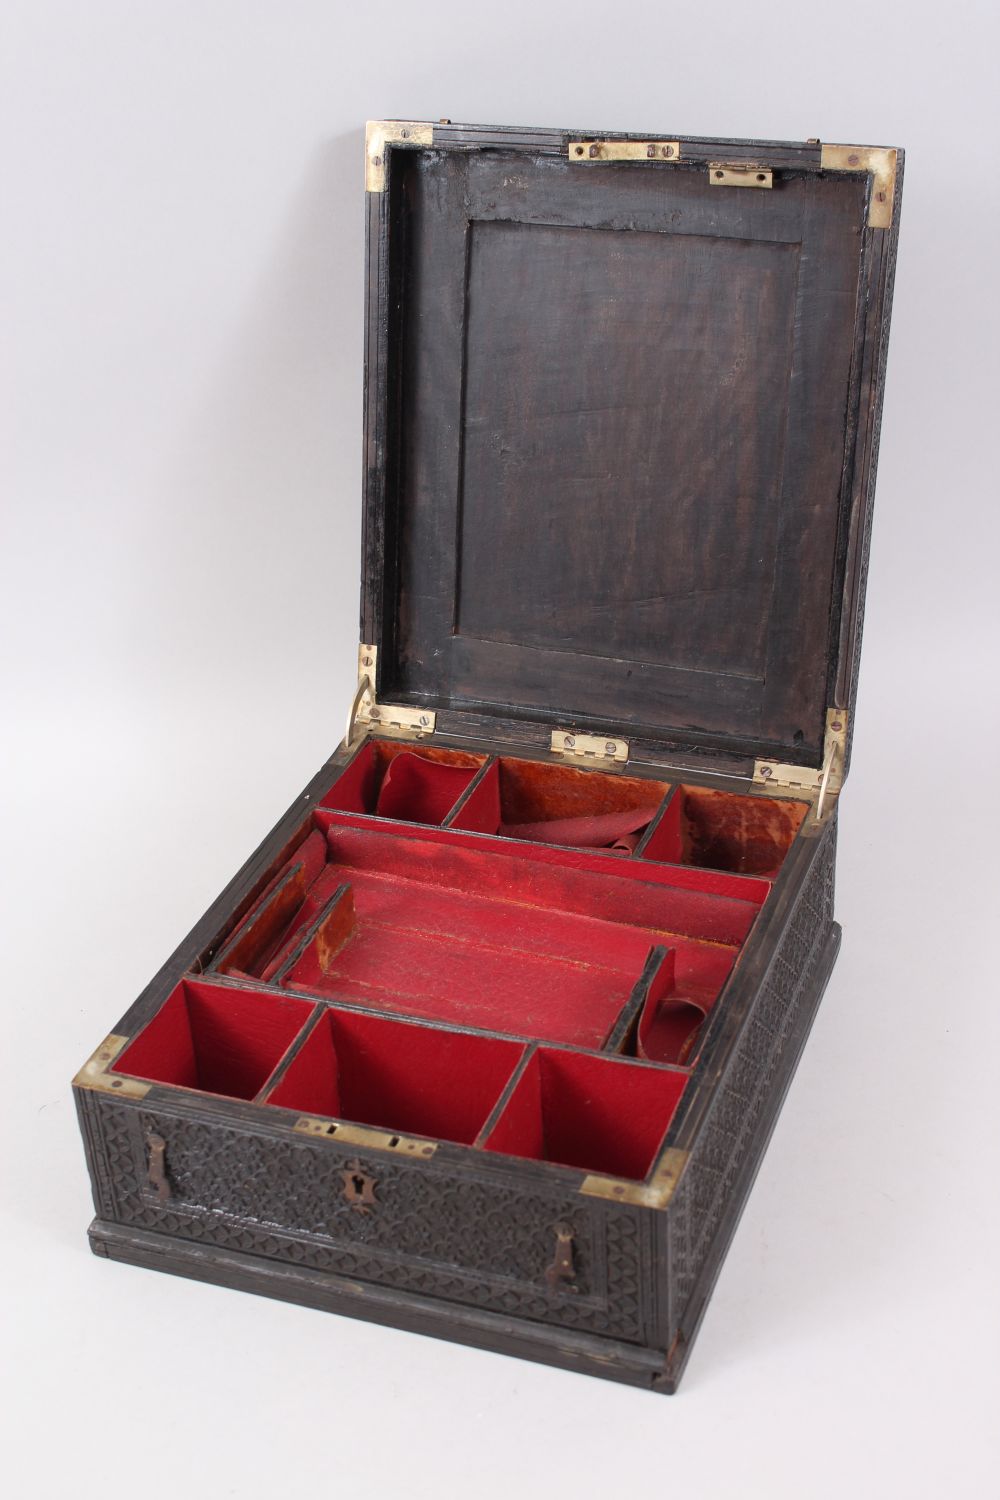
x=182, y=270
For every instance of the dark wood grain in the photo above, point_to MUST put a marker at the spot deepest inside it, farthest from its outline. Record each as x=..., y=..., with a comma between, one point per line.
x=626, y=457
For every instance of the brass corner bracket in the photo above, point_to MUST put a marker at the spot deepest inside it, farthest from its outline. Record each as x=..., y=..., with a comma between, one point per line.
x=821, y=787
x=96, y=1074
x=655, y=1192
x=880, y=163
x=367, y=713
x=382, y=133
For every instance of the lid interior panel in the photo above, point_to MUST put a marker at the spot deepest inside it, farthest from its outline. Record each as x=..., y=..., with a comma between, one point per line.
x=619, y=430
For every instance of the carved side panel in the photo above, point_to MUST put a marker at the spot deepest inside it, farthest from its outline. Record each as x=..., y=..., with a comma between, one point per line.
x=721, y=1151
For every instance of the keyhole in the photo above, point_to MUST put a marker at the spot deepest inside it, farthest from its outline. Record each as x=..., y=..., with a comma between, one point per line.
x=358, y=1183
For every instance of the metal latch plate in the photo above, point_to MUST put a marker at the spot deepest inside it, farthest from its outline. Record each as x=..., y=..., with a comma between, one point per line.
x=739, y=174
x=583, y=151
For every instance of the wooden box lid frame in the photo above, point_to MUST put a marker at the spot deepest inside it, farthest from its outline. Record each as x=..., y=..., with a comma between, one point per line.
x=621, y=421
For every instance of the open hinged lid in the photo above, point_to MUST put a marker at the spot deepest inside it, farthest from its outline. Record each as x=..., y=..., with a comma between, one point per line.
x=621, y=422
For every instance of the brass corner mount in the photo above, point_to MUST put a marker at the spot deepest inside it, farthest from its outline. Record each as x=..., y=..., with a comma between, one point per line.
x=380, y=134
x=880, y=163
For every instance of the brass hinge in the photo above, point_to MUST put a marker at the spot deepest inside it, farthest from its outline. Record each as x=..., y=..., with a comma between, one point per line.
x=583, y=151
x=880, y=163
x=600, y=747
x=367, y=713
x=382, y=133
x=747, y=174
x=822, y=786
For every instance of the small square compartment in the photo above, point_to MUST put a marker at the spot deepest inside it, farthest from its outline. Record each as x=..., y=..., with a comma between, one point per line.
x=601, y=1114
x=407, y=784
x=419, y=1080
x=725, y=831
x=564, y=805
x=216, y=1039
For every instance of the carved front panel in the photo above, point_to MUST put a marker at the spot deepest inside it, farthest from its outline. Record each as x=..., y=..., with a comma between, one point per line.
x=420, y=1227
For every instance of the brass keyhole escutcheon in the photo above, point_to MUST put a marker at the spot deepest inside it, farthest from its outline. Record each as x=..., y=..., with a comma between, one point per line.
x=157, y=1167
x=359, y=1188
x=562, y=1272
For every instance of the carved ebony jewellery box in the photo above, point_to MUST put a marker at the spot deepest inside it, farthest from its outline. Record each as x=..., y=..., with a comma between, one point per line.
x=488, y=1037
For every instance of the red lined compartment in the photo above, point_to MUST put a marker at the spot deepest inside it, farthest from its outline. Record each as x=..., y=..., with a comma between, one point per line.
x=597, y=1113
x=678, y=877
x=525, y=940
x=725, y=831
x=503, y=964
x=215, y=1038
x=396, y=781
x=398, y=1076
x=564, y=805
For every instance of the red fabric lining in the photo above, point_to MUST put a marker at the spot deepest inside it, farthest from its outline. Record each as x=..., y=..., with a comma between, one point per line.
x=681, y=877
x=396, y=1076
x=422, y=783
x=618, y=892
x=605, y=831
x=501, y=965
x=419, y=791
x=599, y=1114
x=215, y=1038
x=480, y=813
x=726, y=831
x=668, y=1028
x=562, y=805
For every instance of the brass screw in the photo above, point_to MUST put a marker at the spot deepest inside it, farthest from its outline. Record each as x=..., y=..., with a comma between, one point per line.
x=569, y=742
x=668, y=150
x=610, y=747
